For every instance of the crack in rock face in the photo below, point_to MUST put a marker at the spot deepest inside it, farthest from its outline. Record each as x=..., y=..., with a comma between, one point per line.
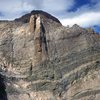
x=42, y=60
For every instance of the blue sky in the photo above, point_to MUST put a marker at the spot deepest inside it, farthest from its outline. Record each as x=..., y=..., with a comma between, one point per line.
x=85, y=13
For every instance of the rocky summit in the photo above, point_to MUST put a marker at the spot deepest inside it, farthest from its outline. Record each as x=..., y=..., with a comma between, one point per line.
x=40, y=59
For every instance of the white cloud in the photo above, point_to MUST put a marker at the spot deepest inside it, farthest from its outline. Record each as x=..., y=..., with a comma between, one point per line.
x=84, y=20
x=85, y=16
x=57, y=5
x=14, y=8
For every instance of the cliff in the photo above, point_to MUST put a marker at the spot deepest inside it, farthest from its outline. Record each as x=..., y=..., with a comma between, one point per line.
x=42, y=60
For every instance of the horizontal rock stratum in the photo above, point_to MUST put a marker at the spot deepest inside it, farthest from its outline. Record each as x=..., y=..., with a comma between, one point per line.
x=42, y=60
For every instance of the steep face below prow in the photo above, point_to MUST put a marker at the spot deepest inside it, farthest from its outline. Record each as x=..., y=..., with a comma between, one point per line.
x=37, y=29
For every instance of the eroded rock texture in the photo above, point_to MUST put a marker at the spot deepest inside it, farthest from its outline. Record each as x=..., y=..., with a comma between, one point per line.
x=42, y=60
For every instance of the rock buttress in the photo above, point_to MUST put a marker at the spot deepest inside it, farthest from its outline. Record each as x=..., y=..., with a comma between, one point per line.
x=40, y=44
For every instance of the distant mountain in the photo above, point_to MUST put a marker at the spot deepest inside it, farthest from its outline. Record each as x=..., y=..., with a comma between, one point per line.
x=42, y=60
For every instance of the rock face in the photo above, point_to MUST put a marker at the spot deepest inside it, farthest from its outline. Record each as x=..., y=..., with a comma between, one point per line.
x=42, y=60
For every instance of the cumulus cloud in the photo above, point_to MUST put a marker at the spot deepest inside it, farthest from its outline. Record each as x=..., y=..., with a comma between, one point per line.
x=84, y=20
x=86, y=16
x=14, y=8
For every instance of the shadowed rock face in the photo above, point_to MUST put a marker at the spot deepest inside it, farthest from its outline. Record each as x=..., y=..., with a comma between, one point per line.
x=42, y=60
x=3, y=94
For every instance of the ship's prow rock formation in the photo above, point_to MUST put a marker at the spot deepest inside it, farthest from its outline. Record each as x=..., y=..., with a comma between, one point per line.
x=26, y=18
x=42, y=60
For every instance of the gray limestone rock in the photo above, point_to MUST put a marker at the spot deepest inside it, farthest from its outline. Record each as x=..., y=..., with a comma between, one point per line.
x=42, y=60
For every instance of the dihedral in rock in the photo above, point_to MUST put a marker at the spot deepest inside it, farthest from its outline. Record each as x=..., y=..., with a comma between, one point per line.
x=35, y=23
x=40, y=44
